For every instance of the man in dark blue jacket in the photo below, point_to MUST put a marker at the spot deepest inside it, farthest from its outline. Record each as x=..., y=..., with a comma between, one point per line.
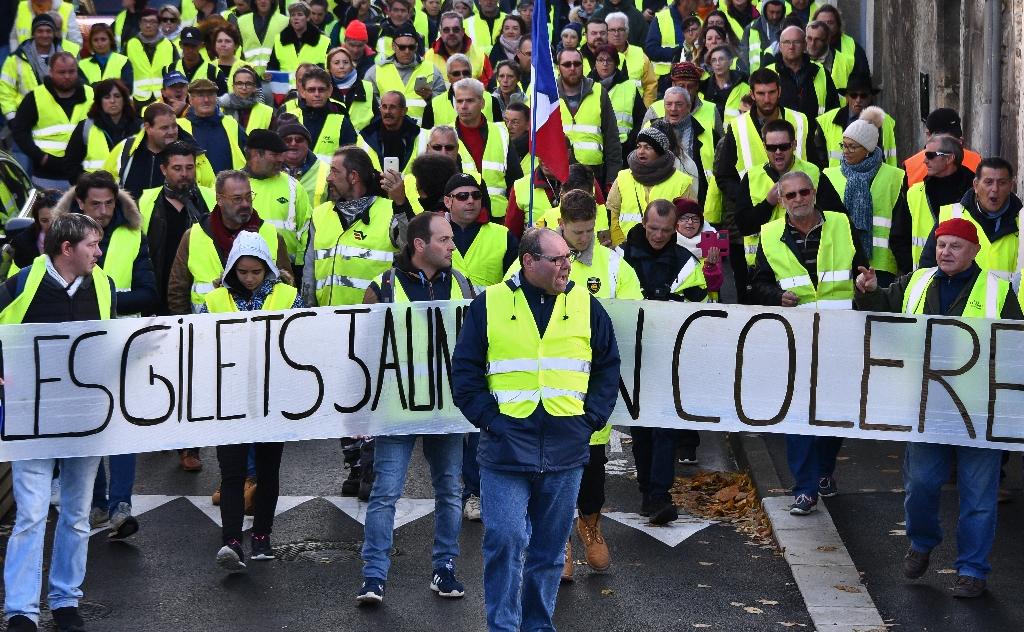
x=536, y=413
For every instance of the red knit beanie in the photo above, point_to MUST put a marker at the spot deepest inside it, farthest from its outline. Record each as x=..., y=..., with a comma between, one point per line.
x=958, y=227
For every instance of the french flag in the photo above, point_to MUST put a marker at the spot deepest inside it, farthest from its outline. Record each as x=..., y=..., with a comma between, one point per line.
x=547, y=138
x=280, y=84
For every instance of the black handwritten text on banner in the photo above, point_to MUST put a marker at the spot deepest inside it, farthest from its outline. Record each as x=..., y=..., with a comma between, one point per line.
x=144, y=384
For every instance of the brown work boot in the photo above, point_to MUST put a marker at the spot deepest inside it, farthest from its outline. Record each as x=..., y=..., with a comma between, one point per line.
x=215, y=497
x=567, y=567
x=589, y=529
x=249, y=495
x=190, y=461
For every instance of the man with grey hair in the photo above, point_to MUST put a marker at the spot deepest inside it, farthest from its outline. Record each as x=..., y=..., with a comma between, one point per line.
x=529, y=476
x=638, y=66
x=204, y=247
x=405, y=71
x=487, y=144
x=441, y=109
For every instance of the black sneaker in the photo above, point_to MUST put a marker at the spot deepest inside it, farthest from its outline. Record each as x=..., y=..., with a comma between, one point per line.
x=968, y=587
x=915, y=563
x=686, y=455
x=67, y=620
x=443, y=581
x=365, y=487
x=231, y=558
x=261, y=549
x=21, y=623
x=350, y=486
x=371, y=593
x=827, y=487
x=803, y=505
x=645, y=506
x=663, y=513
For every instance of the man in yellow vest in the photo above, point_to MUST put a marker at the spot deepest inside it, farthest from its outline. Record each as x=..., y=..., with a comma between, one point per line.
x=860, y=94
x=205, y=246
x=299, y=42
x=393, y=133
x=956, y=286
x=422, y=272
x=302, y=164
x=192, y=65
x=28, y=63
x=838, y=65
x=588, y=119
x=839, y=41
x=126, y=261
x=62, y=284
x=260, y=29
x=484, y=251
x=150, y=53
x=807, y=260
x=27, y=12
x=484, y=26
x=520, y=340
x=665, y=35
x=279, y=198
x=219, y=136
x=638, y=66
x=452, y=38
x=806, y=87
x=47, y=117
x=327, y=120
x=441, y=109
x=405, y=71
x=996, y=210
x=487, y=143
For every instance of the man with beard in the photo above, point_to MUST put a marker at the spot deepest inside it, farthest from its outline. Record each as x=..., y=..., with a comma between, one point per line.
x=406, y=72
x=453, y=40
x=761, y=37
x=588, y=118
x=279, y=198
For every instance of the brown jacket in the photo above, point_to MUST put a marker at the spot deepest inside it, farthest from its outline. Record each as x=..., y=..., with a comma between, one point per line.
x=179, y=285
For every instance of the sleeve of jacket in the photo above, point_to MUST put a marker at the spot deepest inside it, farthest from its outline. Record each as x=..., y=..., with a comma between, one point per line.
x=348, y=132
x=513, y=168
x=928, y=254
x=603, y=387
x=515, y=217
x=437, y=84
x=8, y=85
x=749, y=216
x=128, y=74
x=764, y=287
x=888, y=299
x=272, y=63
x=511, y=252
x=21, y=128
x=831, y=94
x=74, y=32
x=817, y=152
x=142, y=298
x=610, y=132
x=725, y=168
x=469, y=367
x=828, y=198
x=899, y=233
x=649, y=81
x=283, y=261
x=653, y=46
x=75, y=153
x=179, y=283
x=860, y=258
x=308, y=285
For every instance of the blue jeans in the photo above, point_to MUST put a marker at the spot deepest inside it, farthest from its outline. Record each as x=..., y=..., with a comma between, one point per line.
x=122, y=480
x=391, y=465
x=470, y=468
x=527, y=518
x=925, y=470
x=23, y=568
x=810, y=459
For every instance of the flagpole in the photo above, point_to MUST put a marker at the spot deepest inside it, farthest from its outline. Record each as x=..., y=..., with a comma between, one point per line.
x=539, y=10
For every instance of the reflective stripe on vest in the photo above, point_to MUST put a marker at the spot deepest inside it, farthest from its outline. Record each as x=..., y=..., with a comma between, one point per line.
x=750, y=147
x=584, y=129
x=922, y=221
x=759, y=184
x=1001, y=257
x=346, y=261
x=281, y=297
x=523, y=368
x=986, y=300
x=623, y=97
x=148, y=73
x=96, y=147
x=835, y=260
x=267, y=200
x=636, y=197
x=668, y=39
x=204, y=261
x=388, y=79
x=257, y=52
x=15, y=311
x=91, y=69
x=53, y=127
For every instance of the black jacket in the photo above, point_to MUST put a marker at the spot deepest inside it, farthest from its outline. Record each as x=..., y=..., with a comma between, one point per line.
x=408, y=133
x=415, y=284
x=162, y=253
x=750, y=217
x=540, y=442
x=798, y=92
x=52, y=303
x=657, y=269
x=890, y=299
x=26, y=118
x=995, y=228
x=288, y=37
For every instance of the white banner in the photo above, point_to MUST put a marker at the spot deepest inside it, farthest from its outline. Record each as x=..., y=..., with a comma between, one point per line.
x=144, y=384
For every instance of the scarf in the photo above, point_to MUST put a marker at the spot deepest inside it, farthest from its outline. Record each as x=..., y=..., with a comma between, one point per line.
x=151, y=40
x=511, y=46
x=659, y=170
x=223, y=236
x=347, y=81
x=231, y=103
x=35, y=59
x=351, y=209
x=119, y=130
x=857, y=197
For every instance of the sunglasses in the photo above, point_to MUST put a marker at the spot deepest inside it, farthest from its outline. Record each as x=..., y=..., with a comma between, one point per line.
x=792, y=195
x=168, y=20
x=459, y=73
x=443, y=147
x=932, y=155
x=405, y=47
x=771, y=149
x=462, y=196
x=571, y=64
x=451, y=29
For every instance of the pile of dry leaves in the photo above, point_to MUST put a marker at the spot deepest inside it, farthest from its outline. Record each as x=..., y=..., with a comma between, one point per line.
x=726, y=497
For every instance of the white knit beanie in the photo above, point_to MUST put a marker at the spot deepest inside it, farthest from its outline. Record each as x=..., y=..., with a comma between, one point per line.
x=866, y=129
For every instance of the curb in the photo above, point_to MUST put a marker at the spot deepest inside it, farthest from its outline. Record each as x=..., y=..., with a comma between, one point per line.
x=751, y=453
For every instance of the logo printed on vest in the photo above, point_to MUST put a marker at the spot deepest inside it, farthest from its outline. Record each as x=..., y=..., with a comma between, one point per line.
x=358, y=234
x=594, y=284
x=282, y=200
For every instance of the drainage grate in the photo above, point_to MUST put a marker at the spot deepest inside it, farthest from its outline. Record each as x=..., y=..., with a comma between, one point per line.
x=320, y=551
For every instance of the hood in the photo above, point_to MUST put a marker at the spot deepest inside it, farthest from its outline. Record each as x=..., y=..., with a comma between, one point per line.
x=126, y=211
x=248, y=244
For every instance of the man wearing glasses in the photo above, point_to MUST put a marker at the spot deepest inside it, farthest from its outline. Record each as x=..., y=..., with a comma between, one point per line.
x=483, y=252
x=638, y=66
x=441, y=109
x=860, y=93
x=453, y=39
x=808, y=259
x=536, y=368
x=407, y=72
x=588, y=118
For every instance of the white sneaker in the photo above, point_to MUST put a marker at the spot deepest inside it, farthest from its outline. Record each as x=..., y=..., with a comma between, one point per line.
x=471, y=510
x=122, y=522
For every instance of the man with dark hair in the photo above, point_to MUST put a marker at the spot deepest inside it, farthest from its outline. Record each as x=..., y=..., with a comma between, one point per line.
x=431, y=173
x=414, y=76
x=761, y=37
x=46, y=118
x=300, y=162
x=841, y=42
x=454, y=39
x=327, y=120
x=62, y=284
x=517, y=122
x=220, y=136
x=192, y=65
x=594, y=136
x=529, y=475
x=422, y=272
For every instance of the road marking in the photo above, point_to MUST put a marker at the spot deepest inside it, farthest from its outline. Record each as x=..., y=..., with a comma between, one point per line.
x=820, y=563
x=615, y=441
x=406, y=509
x=671, y=534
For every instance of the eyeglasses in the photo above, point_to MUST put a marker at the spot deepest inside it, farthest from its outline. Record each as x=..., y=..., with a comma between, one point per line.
x=462, y=196
x=847, y=148
x=571, y=64
x=771, y=149
x=621, y=29
x=932, y=155
x=316, y=89
x=689, y=219
x=443, y=147
x=405, y=47
x=558, y=260
x=605, y=60
x=451, y=29
x=245, y=84
x=238, y=199
x=792, y=195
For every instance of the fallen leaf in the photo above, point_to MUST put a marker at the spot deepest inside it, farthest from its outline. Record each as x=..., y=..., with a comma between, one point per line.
x=607, y=592
x=737, y=604
x=753, y=610
x=767, y=602
x=900, y=532
x=846, y=588
x=890, y=471
x=787, y=624
x=702, y=625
